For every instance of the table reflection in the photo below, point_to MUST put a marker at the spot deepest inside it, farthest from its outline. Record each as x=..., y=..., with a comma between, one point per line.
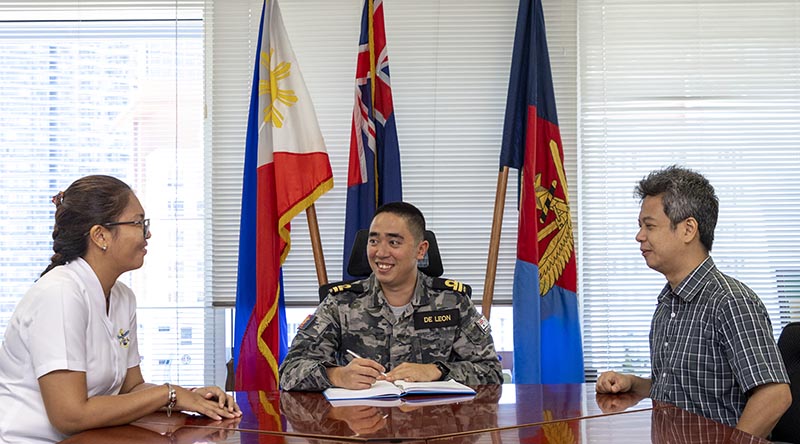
x=618, y=402
x=411, y=418
x=672, y=425
x=664, y=424
x=155, y=428
x=535, y=413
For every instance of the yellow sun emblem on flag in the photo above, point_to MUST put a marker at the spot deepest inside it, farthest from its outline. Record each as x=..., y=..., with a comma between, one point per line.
x=270, y=87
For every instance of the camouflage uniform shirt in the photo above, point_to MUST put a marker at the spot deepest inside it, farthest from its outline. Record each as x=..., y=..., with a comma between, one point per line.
x=440, y=324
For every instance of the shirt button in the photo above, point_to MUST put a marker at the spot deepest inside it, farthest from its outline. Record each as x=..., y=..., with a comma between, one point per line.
x=672, y=315
x=666, y=344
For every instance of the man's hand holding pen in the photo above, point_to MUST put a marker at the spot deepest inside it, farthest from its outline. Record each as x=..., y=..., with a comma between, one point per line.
x=359, y=373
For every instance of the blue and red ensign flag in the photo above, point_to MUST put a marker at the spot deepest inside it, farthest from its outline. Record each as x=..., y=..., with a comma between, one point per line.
x=373, y=177
x=547, y=335
x=286, y=168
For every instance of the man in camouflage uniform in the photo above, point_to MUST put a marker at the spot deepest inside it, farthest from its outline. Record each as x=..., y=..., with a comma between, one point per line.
x=396, y=324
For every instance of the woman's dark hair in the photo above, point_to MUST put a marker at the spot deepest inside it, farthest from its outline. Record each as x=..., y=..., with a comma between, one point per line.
x=89, y=201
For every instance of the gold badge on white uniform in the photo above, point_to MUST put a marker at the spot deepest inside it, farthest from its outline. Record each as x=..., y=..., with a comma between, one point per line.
x=124, y=338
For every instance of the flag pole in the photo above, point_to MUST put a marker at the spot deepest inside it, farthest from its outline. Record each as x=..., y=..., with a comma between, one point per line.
x=316, y=245
x=494, y=241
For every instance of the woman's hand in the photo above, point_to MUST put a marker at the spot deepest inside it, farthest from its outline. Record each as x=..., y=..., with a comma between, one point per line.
x=209, y=401
x=224, y=399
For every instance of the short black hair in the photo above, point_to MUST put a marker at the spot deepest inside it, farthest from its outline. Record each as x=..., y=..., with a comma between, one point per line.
x=411, y=214
x=685, y=193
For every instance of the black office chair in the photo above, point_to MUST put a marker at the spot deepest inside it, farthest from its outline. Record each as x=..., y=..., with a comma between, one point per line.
x=788, y=428
x=358, y=266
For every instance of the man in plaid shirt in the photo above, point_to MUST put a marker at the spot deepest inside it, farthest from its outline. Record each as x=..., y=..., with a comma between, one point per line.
x=711, y=342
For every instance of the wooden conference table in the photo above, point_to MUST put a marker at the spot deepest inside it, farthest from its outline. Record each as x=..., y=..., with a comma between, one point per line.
x=507, y=414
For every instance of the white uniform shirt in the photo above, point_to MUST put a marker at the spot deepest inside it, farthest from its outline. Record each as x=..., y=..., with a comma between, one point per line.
x=61, y=324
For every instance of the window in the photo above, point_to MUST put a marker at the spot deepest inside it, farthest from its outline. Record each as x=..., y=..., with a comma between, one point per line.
x=115, y=91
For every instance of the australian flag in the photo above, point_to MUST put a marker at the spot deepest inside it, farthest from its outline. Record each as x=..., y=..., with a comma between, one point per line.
x=374, y=170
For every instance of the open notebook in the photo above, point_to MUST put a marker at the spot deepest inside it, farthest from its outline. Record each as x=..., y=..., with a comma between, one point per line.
x=397, y=389
x=416, y=401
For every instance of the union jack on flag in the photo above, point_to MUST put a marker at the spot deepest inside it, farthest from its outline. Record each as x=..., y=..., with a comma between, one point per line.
x=374, y=169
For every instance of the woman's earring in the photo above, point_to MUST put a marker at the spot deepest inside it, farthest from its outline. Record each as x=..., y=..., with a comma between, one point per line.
x=105, y=247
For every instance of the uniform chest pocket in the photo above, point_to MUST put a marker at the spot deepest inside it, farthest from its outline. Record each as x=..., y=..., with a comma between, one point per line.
x=435, y=344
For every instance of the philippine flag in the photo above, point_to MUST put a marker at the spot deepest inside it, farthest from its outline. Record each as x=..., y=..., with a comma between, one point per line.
x=286, y=169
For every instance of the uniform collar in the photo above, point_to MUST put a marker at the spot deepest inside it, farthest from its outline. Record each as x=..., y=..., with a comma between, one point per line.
x=87, y=274
x=91, y=284
x=421, y=294
x=420, y=297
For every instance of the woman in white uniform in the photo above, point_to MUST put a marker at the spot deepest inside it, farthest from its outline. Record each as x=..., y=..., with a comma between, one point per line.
x=70, y=358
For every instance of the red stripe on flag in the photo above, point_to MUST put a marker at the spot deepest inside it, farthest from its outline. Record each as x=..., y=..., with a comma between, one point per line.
x=539, y=135
x=354, y=165
x=260, y=345
x=304, y=177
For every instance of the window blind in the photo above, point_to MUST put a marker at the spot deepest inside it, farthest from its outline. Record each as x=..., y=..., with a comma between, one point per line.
x=711, y=85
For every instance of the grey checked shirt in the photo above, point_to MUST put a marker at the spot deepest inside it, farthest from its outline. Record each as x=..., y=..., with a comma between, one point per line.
x=711, y=342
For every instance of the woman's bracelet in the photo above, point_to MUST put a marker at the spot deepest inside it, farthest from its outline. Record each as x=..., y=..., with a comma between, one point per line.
x=172, y=398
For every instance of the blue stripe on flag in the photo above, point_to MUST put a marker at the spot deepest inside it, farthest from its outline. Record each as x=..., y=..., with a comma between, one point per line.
x=527, y=337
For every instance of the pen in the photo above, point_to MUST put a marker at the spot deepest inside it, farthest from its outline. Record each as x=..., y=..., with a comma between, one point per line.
x=356, y=355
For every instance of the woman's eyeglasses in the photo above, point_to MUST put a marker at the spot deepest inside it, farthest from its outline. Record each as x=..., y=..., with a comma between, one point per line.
x=144, y=223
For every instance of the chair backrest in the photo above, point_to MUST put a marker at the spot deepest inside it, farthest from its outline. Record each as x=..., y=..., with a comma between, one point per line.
x=358, y=266
x=789, y=345
x=788, y=428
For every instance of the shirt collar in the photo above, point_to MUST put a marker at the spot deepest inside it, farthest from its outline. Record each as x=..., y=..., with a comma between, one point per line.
x=691, y=285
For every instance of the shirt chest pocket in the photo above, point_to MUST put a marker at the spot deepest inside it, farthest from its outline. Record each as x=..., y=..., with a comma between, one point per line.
x=699, y=346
